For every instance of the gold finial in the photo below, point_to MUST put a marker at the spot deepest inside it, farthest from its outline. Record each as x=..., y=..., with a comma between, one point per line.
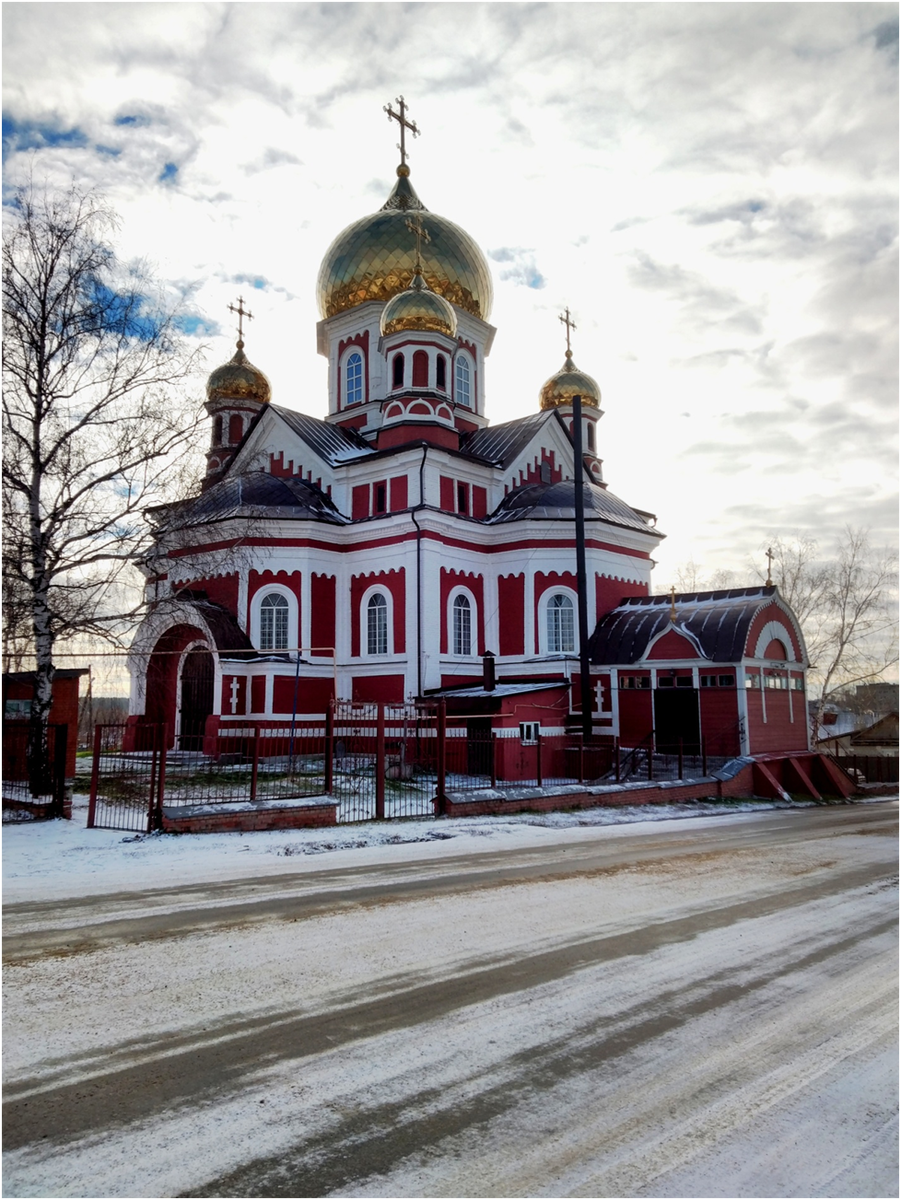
x=401, y=119
x=769, y=566
x=672, y=600
x=415, y=226
x=570, y=325
x=242, y=313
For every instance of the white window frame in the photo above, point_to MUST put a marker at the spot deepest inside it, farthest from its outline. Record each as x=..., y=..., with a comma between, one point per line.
x=473, y=623
x=348, y=354
x=544, y=605
x=378, y=589
x=256, y=606
x=463, y=359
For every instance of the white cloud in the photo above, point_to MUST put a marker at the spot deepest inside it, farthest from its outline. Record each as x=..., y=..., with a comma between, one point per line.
x=711, y=189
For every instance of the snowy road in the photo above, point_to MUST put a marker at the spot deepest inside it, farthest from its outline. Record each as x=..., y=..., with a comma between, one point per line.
x=692, y=1008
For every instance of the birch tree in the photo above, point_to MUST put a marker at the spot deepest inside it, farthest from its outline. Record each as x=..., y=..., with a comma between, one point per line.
x=95, y=422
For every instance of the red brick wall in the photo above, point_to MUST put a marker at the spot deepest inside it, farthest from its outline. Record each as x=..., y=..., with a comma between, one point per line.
x=609, y=592
x=511, y=593
x=673, y=645
x=473, y=583
x=322, y=614
x=394, y=583
x=389, y=688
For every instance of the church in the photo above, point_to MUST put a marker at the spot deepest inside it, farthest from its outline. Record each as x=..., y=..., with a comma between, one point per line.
x=403, y=548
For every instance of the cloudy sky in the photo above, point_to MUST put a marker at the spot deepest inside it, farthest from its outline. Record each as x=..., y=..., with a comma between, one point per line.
x=710, y=188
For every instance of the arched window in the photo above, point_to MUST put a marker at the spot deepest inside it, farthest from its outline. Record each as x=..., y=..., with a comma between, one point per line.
x=235, y=429
x=441, y=373
x=397, y=371
x=591, y=444
x=462, y=626
x=463, y=387
x=353, y=379
x=377, y=624
x=274, y=622
x=217, y=432
x=561, y=636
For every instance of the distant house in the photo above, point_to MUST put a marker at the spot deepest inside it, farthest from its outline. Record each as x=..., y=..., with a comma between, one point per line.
x=861, y=734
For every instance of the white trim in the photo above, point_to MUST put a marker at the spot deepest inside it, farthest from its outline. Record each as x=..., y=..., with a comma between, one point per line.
x=557, y=589
x=343, y=359
x=267, y=589
x=775, y=630
x=382, y=590
x=461, y=590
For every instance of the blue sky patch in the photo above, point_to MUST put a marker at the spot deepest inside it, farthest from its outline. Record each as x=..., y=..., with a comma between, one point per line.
x=37, y=135
x=131, y=119
x=195, y=325
x=255, y=281
x=169, y=171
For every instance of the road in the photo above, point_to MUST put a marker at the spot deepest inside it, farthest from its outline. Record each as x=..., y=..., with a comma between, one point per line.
x=707, y=1008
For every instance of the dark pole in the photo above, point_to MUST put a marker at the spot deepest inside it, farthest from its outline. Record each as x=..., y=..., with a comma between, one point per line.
x=581, y=575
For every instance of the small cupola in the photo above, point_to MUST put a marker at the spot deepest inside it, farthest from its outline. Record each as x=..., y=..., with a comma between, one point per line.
x=235, y=393
x=560, y=391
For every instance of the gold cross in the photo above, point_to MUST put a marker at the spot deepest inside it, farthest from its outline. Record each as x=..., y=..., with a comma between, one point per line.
x=769, y=566
x=242, y=313
x=404, y=125
x=570, y=324
x=415, y=225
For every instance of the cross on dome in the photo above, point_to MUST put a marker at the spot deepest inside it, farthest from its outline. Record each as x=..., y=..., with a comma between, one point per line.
x=401, y=119
x=242, y=313
x=416, y=227
x=570, y=325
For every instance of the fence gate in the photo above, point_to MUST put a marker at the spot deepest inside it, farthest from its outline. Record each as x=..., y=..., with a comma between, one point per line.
x=383, y=761
x=127, y=789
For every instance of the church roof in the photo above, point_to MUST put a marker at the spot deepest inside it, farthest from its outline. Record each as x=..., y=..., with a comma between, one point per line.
x=557, y=500
x=500, y=444
x=255, y=494
x=333, y=444
x=717, y=621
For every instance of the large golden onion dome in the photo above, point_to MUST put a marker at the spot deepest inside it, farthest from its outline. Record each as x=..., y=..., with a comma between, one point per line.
x=420, y=309
x=568, y=382
x=238, y=379
x=375, y=258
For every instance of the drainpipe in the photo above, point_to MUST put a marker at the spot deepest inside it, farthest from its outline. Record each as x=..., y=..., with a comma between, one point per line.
x=413, y=512
x=581, y=575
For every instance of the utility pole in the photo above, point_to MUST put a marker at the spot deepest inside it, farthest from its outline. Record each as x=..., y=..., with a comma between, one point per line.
x=581, y=574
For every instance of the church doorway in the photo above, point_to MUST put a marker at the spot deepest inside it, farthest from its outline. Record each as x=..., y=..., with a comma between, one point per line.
x=676, y=719
x=197, y=676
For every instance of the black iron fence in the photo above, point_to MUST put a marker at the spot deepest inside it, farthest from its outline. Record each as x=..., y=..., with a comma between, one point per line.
x=375, y=761
x=34, y=769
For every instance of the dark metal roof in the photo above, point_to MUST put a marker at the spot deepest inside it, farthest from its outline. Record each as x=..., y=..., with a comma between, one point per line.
x=228, y=635
x=500, y=444
x=255, y=494
x=31, y=676
x=333, y=444
x=717, y=621
x=557, y=501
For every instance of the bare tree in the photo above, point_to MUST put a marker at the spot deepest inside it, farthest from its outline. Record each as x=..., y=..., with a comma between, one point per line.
x=94, y=422
x=847, y=607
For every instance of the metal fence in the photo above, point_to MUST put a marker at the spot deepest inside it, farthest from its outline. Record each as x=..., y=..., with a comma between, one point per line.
x=34, y=775
x=377, y=761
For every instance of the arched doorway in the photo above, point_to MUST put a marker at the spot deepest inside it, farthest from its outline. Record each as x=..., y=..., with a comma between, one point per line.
x=197, y=676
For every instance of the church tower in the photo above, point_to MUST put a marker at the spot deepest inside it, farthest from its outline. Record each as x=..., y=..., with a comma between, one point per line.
x=377, y=377
x=235, y=393
x=559, y=391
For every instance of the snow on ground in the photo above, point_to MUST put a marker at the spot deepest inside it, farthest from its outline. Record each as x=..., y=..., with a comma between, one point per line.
x=54, y=859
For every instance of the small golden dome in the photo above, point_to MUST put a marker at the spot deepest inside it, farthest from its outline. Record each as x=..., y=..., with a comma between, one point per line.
x=239, y=379
x=420, y=309
x=568, y=382
x=375, y=259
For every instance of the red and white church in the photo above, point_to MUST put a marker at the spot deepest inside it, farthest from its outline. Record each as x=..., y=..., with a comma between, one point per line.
x=380, y=553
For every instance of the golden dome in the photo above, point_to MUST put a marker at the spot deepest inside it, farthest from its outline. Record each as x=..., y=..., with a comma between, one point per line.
x=238, y=379
x=568, y=382
x=420, y=309
x=375, y=258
